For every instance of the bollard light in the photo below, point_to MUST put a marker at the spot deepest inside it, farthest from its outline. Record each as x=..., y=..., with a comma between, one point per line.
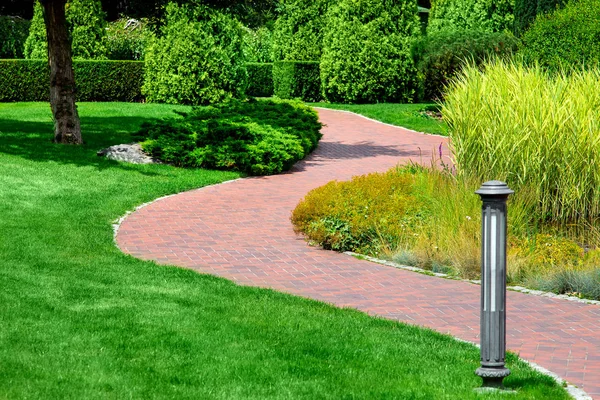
x=493, y=283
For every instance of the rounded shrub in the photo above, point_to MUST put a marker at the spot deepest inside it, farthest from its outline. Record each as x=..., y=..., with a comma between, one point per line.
x=483, y=15
x=198, y=58
x=298, y=32
x=126, y=39
x=87, y=27
x=366, y=51
x=527, y=10
x=439, y=56
x=569, y=37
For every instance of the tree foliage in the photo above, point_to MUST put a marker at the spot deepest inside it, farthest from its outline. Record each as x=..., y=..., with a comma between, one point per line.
x=87, y=27
x=366, y=51
x=481, y=15
x=198, y=58
x=298, y=32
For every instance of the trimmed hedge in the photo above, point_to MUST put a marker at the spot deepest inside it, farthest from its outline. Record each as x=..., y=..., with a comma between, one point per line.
x=297, y=79
x=440, y=56
x=260, y=79
x=95, y=80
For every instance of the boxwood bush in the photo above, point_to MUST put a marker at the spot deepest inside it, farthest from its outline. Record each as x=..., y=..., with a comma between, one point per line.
x=366, y=51
x=569, y=37
x=440, y=56
x=297, y=79
x=28, y=80
x=257, y=137
x=198, y=58
x=260, y=79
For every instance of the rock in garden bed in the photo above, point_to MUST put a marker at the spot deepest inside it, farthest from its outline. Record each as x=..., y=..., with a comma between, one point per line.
x=131, y=153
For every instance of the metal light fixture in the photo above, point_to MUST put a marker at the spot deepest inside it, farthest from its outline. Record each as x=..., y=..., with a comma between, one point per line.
x=493, y=283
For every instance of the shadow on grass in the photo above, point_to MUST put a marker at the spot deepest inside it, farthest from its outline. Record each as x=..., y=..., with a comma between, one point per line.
x=33, y=141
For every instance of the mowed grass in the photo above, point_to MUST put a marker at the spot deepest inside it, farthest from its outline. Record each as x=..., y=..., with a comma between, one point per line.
x=81, y=320
x=411, y=116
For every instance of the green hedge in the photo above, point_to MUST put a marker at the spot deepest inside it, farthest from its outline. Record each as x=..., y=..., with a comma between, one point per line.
x=260, y=79
x=297, y=79
x=28, y=80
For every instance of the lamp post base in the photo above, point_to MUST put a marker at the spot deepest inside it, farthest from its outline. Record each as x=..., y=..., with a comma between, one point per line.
x=492, y=377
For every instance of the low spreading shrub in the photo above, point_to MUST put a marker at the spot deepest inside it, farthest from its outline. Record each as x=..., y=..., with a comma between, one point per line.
x=536, y=131
x=260, y=79
x=13, y=33
x=567, y=38
x=197, y=59
x=95, y=80
x=126, y=39
x=366, y=51
x=441, y=55
x=256, y=137
x=297, y=79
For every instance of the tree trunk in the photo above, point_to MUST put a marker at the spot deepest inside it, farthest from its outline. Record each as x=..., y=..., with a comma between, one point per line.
x=67, y=128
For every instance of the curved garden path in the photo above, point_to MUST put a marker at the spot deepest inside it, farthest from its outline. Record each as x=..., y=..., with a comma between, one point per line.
x=241, y=231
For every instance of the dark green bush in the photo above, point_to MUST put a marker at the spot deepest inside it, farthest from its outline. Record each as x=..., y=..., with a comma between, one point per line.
x=298, y=32
x=567, y=38
x=28, y=80
x=527, y=10
x=87, y=27
x=256, y=137
x=260, y=79
x=481, y=15
x=197, y=60
x=13, y=33
x=297, y=79
x=366, y=51
x=440, y=56
x=126, y=39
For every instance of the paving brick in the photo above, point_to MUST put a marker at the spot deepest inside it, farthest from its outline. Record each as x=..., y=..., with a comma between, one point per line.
x=241, y=231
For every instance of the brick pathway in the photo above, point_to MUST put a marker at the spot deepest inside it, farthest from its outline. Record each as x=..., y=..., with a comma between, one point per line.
x=241, y=231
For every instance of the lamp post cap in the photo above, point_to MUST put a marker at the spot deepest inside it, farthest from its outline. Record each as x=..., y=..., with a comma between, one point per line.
x=494, y=188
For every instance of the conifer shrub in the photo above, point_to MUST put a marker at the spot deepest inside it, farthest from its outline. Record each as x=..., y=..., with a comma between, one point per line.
x=366, y=51
x=256, y=137
x=87, y=28
x=441, y=55
x=297, y=79
x=13, y=33
x=481, y=15
x=197, y=59
x=260, y=79
x=567, y=38
x=298, y=32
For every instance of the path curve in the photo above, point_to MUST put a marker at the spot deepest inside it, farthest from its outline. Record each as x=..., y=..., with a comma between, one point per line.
x=241, y=231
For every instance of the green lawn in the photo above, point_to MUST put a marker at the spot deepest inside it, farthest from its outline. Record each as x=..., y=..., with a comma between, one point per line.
x=81, y=320
x=411, y=116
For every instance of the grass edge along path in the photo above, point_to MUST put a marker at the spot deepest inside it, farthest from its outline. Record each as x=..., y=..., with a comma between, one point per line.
x=410, y=116
x=82, y=320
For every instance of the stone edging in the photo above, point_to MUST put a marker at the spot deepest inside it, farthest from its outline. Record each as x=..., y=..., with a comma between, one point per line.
x=476, y=282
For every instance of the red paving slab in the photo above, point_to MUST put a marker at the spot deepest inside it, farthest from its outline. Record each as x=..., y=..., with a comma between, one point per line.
x=241, y=230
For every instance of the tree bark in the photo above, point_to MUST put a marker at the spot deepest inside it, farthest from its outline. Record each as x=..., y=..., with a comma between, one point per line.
x=67, y=128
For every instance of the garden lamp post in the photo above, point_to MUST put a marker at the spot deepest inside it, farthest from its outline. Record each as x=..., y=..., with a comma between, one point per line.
x=493, y=283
